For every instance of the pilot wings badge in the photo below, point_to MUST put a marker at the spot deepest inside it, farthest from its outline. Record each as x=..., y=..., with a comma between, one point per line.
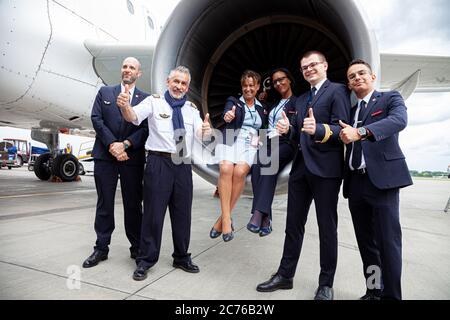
x=164, y=116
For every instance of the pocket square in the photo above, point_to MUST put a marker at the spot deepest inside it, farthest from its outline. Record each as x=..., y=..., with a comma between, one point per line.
x=106, y=102
x=376, y=113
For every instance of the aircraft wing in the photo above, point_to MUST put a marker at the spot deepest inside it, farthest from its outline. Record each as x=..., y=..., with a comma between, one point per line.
x=108, y=58
x=413, y=73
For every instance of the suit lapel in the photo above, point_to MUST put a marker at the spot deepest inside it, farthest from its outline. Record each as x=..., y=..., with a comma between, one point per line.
x=317, y=96
x=372, y=102
x=323, y=88
x=116, y=90
x=136, y=96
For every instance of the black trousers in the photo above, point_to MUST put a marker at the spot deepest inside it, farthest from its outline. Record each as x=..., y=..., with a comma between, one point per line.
x=264, y=185
x=165, y=185
x=376, y=219
x=106, y=175
x=303, y=188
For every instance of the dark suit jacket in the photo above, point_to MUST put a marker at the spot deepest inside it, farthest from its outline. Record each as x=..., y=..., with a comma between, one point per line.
x=330, y=104
x=385, y=116
x=291, y=113
x=237, y=122
x=111, y=127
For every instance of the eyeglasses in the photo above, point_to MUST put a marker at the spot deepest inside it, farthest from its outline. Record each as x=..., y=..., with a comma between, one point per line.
x=311, y=65
x=278, y=81
x=352, y=76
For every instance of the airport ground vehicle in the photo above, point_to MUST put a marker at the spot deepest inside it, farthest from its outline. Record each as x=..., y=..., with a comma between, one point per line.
x=17, y=158
x=85, y=159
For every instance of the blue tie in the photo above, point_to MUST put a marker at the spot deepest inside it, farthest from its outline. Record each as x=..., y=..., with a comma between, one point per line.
x=357, y=147
x=312, y=93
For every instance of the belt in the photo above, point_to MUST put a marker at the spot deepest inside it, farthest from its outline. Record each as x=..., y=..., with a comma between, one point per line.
x=360, y=171
x=159, y=153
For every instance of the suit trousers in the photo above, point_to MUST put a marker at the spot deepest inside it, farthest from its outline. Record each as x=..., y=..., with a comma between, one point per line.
x=264, y=185
x=303, y=188
x=106, y=175
x=165, y=185
x=376, y=219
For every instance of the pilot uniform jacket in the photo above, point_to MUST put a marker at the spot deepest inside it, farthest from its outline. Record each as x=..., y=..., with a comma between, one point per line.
x=236, y=123
x=316, y=174
x=385, y=116
x=111, y=127
x=264, y=185
x=373, y=193
x=330, y=104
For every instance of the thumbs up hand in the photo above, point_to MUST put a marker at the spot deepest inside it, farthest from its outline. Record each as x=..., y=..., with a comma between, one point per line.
x=309, y=123
x=230, y=115
x=123, y=100
x=206, y=127
x=283, y=124
x=348, y=134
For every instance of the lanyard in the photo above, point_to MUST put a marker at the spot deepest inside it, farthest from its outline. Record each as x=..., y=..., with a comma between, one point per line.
x=278, y=110
x=251, y=115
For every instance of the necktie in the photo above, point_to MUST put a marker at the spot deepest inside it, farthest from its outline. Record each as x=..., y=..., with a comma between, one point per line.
x=312, y=93
x=357, y=147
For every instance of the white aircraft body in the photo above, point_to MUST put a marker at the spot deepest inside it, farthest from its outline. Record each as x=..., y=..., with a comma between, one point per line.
x=56, y=54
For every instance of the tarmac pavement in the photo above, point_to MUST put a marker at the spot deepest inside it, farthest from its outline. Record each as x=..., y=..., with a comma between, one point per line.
x=46, y=232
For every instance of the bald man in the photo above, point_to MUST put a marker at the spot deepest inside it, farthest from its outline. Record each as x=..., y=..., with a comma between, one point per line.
x=118, y=152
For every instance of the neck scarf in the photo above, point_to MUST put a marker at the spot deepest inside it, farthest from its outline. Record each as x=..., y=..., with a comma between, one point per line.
x=177, y=116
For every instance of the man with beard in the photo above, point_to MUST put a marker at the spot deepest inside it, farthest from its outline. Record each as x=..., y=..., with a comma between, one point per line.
x=118, y=151
x=173, y=124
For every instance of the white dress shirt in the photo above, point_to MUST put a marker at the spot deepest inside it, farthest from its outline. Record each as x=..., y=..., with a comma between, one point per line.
x=160, y=128
x=355, y=125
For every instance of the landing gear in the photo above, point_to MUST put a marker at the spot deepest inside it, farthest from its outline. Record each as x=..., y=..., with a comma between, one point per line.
x=64, y=167
x=42, y=167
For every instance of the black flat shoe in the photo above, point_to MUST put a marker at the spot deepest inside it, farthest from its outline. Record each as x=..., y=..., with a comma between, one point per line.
x=95, y=258
x=140, y=274
x=214, y=233
x=266, y=228
x=228, y=236
x=253, y=228
x=186, y=266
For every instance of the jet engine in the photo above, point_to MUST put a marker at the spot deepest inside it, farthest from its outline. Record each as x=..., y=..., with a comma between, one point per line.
x=219, y=39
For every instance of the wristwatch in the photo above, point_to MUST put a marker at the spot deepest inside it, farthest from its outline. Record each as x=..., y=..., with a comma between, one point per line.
x=126, y=145
x=362, y=132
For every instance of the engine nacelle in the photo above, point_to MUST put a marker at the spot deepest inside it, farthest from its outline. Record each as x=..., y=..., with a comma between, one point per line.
x=218, y=39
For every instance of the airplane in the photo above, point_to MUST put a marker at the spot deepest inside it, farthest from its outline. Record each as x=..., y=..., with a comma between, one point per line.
x=57, y=58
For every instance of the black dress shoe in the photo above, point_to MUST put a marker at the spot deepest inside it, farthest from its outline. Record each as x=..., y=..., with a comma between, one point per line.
x=95, y=258
x=140, y=273
x=276, y=282
x=187, y=266
x=370, y=296
x=324, y=293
